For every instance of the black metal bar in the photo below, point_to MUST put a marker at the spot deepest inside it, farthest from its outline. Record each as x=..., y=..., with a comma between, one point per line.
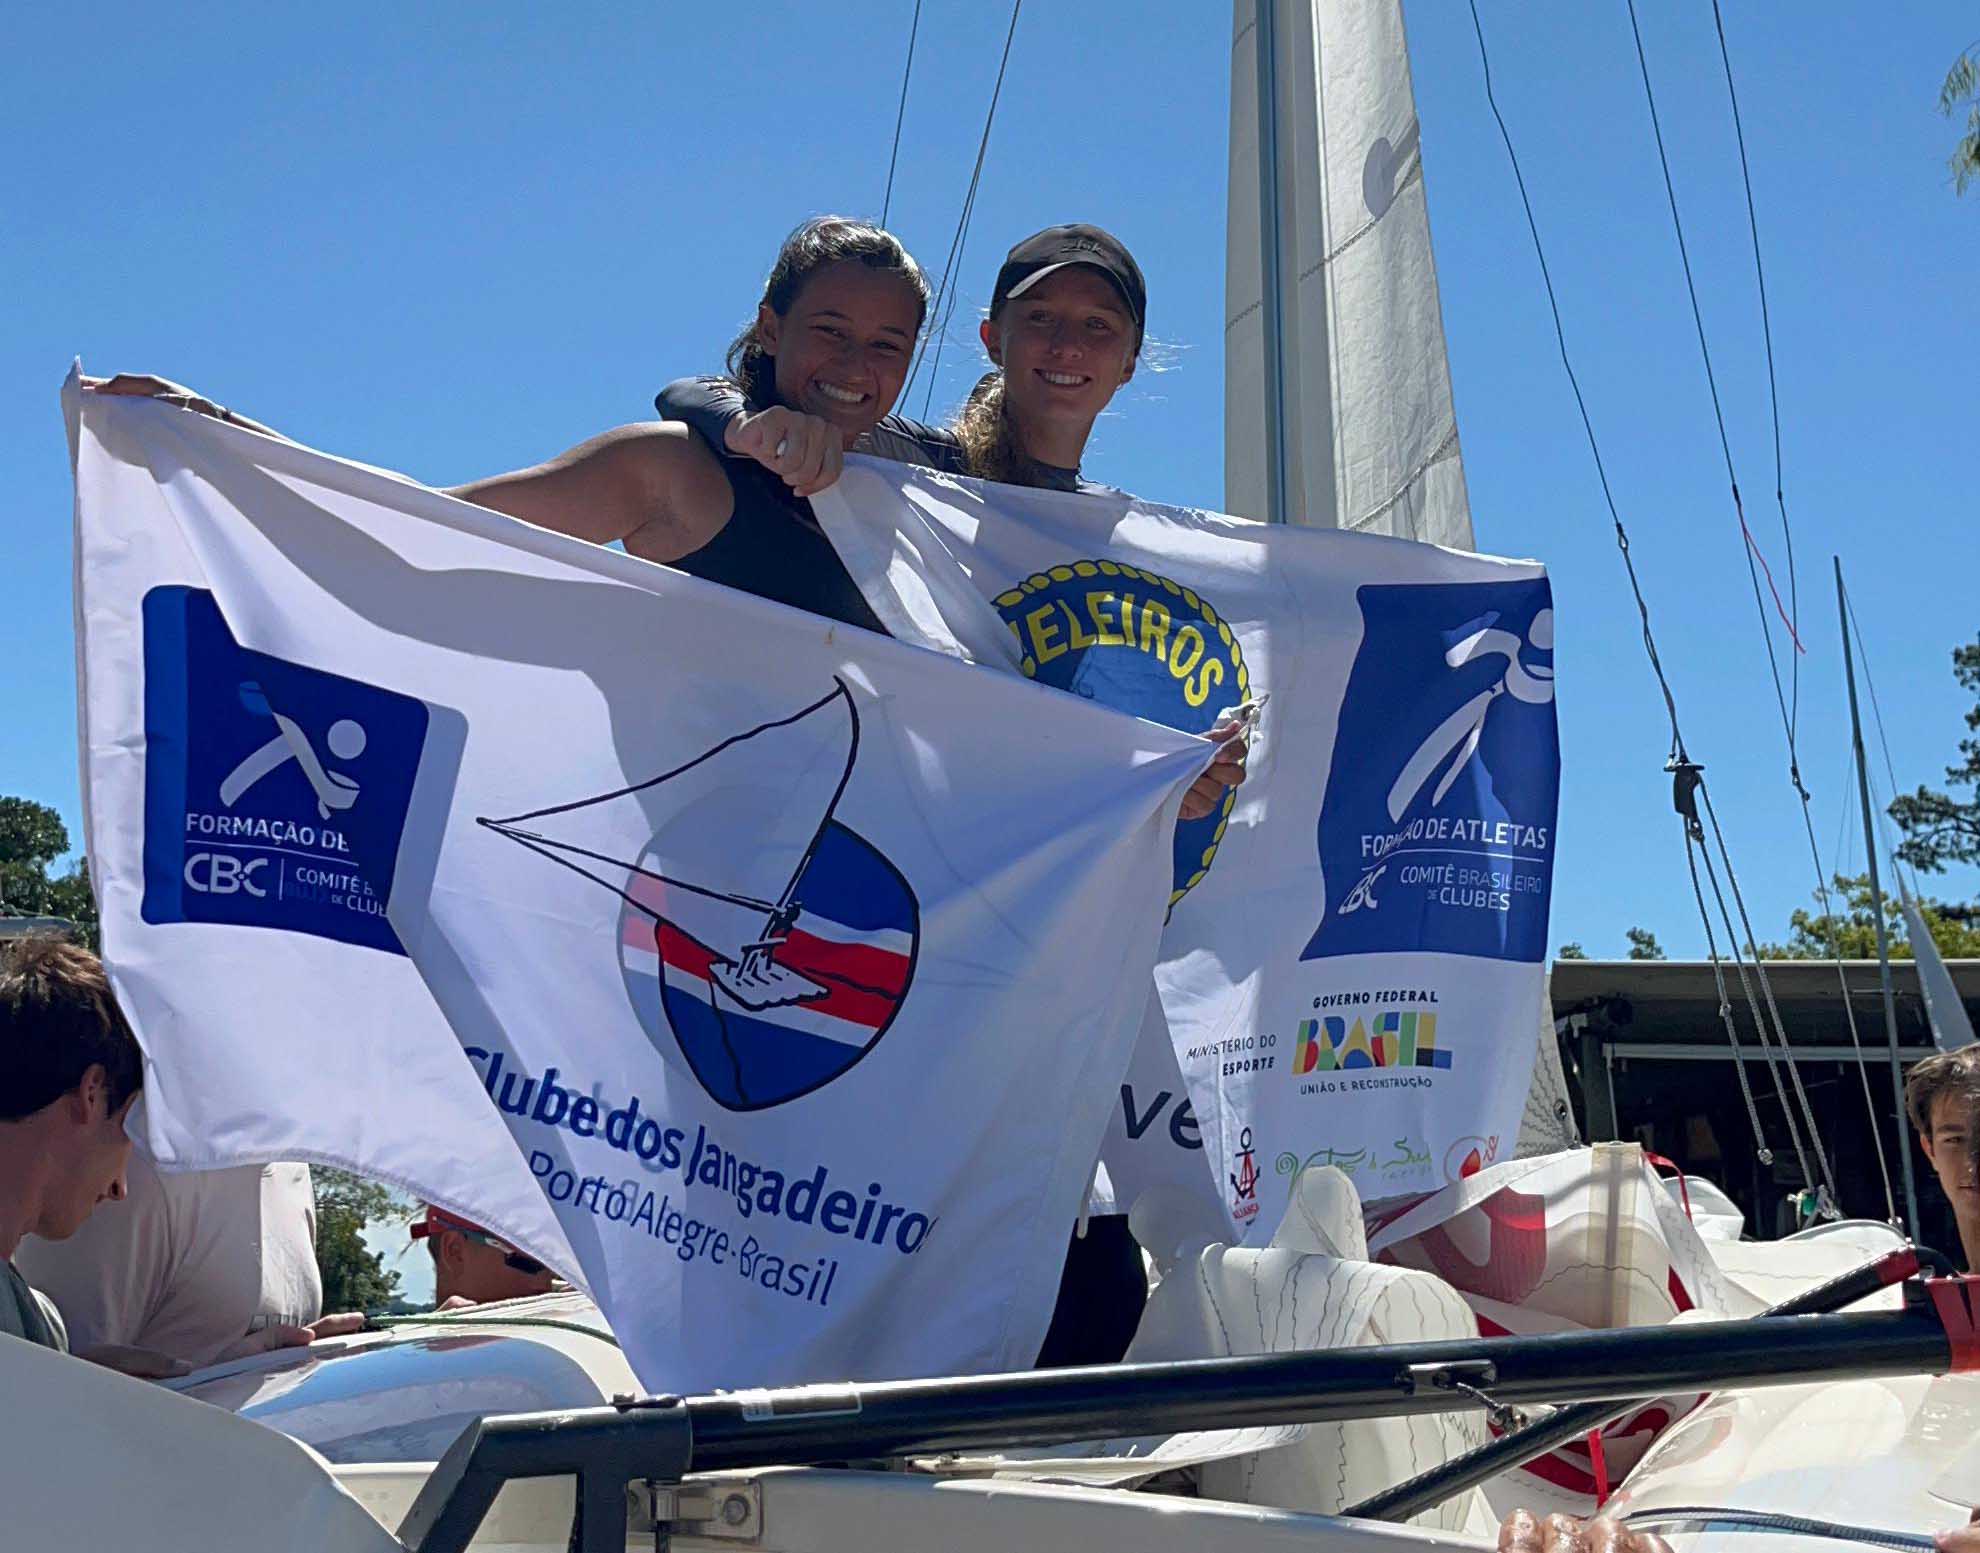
x=605, y=1448
x=1415, y=1495
x=664, y=1438
x=1052, y=1407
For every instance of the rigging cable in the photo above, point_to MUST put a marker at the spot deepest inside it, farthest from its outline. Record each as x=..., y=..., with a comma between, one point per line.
x=1790, y=708
x=1752, y=553
x=1687, y=774
x=1761, y=1150
x=1560, y=335
x=900, y=114
x=946, y=290
x=1793, y=711
x=1711, y=378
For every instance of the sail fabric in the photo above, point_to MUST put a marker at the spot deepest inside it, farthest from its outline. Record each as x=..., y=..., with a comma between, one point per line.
x=1582, y=1240
x=1310, y=1288
x=1944, y=1012
x=1336, y=215
x=842, y=1131
x=1353, y=969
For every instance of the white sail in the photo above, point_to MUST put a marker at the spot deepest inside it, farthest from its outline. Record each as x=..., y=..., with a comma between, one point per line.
x=1951, y=1029
x=1337, y=392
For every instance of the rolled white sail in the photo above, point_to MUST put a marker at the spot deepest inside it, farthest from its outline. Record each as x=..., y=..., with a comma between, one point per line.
x=1333, y=330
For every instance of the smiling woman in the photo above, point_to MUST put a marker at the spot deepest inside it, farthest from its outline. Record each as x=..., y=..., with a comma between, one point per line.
x=825, y=356
x=1064, y=331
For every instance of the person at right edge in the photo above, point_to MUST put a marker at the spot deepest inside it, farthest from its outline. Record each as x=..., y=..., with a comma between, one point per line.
x=1064, y=332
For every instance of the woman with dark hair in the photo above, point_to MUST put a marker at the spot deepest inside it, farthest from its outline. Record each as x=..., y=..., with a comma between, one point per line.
x=825, y=354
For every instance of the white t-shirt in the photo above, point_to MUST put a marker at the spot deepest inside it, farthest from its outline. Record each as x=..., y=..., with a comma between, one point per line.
x=189, y=1263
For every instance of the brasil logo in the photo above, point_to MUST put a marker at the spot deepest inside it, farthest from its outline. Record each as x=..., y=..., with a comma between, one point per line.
x=1141, y=643
x=1391, y=1040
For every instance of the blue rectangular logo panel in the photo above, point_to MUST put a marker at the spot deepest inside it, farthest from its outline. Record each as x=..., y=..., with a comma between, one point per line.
x=1437, y=826
x=249, y=801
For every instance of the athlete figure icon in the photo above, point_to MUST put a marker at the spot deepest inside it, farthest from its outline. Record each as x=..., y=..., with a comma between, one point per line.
x=334, y=789
x=1456, y=738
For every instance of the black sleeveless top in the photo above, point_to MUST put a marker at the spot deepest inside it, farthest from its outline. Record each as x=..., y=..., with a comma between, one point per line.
x=773, y=547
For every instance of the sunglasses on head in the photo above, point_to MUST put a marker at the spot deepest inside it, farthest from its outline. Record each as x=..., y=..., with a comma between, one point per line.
x=528, y=1266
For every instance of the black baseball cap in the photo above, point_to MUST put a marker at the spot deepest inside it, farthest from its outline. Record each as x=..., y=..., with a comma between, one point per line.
x=1056, y=247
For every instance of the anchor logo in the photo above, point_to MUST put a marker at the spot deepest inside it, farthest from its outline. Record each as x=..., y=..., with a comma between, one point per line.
x=1244, y=1181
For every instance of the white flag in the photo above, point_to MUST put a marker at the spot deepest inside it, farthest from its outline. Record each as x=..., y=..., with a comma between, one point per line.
x=231, y=902
x=1352, y=973
x=797, y=965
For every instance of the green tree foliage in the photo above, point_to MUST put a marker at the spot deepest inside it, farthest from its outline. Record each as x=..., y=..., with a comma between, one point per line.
x=1852, y=927
x=32, y=840
x=1962, y=90
x=1571, y=951
x=1940, y=828
x=354, y=1276
x=1643, y=944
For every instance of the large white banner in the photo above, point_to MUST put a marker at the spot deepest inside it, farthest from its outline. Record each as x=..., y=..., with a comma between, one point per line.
x=1353, y=967
x=796, y=966
x=232, y=905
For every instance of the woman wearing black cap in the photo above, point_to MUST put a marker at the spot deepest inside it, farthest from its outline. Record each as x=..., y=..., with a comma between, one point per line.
x=1064, y=330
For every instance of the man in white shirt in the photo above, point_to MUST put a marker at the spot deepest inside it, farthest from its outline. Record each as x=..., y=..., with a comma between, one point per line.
x=69, y=1071
x=198, y=1265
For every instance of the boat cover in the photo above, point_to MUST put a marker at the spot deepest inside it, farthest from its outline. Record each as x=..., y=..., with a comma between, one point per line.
x=97, y=1459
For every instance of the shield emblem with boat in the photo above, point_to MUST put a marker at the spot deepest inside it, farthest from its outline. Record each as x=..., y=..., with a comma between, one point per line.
x=773, y=943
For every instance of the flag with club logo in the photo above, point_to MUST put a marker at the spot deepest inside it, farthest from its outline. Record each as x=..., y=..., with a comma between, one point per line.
x=1352, y=972
x=793, y=968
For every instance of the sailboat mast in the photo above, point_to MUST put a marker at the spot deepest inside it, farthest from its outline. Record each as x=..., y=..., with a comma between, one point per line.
x=1337, y=390
x=1877, y=908
x=1278, y=470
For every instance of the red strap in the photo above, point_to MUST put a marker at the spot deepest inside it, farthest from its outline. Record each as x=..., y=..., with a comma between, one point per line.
x=1684, y=1192
x=1957, y=1301
x=1600, y=1463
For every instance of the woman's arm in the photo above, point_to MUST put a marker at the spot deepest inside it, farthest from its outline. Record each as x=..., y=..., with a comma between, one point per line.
x=650, y=485
x=803, y=451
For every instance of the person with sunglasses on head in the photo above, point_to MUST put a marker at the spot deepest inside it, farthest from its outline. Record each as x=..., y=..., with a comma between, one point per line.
x=472, y=1266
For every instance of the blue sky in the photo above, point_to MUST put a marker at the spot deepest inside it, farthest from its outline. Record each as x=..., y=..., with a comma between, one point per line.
x=454, y=240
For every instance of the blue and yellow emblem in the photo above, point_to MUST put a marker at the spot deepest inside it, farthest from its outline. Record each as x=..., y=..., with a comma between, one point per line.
x=1140, y=643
